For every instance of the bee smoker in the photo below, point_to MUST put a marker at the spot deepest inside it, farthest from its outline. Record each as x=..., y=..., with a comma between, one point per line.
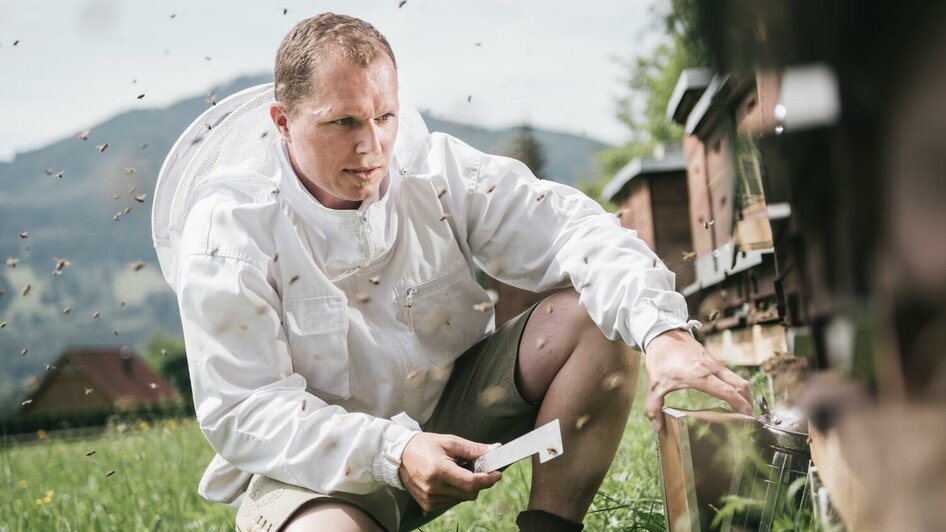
x=776, y=478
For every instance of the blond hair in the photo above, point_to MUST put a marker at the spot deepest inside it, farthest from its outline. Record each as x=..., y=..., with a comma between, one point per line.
x=303, y=48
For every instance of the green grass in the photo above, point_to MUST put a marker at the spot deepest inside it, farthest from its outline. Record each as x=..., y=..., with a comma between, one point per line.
x=53, y=485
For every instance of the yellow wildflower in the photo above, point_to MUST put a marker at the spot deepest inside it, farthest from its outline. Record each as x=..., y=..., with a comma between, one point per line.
x=144, y=426
x=171, y=424
x=41, y=434
x=22, y=483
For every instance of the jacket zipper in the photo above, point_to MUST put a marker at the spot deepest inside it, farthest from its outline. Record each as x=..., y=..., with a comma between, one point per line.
x=366, y=231
x=409, y=300
x=407, y=308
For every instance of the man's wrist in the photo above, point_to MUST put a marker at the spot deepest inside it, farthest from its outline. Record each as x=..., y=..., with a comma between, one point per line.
x=679, y=336
x=386, y=467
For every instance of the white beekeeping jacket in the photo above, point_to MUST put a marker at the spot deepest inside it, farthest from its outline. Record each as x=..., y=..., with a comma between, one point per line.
x=319, y=339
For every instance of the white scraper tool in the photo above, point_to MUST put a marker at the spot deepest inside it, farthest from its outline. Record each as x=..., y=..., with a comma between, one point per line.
x=545, y=440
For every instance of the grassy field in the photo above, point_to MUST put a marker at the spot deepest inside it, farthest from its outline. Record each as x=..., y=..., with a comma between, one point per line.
x=144, y=477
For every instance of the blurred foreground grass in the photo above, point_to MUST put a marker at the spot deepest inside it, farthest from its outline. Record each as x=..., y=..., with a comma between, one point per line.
x=56, y=485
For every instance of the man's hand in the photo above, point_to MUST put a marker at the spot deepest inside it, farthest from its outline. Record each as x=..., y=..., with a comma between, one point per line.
x=675, y=360
x=430, y=472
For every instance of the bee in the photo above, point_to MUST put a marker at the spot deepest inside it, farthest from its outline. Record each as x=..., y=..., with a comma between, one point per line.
x=102, y=147
x=137, y=265
x=492, y=396
x=83, y=135
x=582, y=421
x=90, y=453
x=375, y=279
x=612, y=381
x=141, y=96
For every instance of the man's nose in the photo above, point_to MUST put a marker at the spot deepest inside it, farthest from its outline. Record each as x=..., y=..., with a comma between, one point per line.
x=369, y=140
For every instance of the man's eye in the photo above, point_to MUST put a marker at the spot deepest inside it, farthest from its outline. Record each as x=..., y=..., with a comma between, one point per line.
x=386, y=117
x=347, y=121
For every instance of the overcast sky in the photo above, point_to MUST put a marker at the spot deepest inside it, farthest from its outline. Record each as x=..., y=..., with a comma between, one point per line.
x=552, y=63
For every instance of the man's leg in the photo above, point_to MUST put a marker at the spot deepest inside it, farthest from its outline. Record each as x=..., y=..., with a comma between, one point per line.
x=327, y=515
x=587, y=382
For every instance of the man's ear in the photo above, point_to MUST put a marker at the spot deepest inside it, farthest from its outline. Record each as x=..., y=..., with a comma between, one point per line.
x=277, y=111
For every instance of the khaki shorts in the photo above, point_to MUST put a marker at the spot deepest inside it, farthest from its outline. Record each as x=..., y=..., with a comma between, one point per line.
x=481, y=402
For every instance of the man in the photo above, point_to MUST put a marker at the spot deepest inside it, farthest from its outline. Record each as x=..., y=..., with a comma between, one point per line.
x=321, y=243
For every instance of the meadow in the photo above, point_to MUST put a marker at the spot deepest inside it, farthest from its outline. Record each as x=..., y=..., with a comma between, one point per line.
x=139, y=475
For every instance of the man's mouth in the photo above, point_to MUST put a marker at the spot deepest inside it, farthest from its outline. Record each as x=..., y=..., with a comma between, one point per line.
x=364, y=173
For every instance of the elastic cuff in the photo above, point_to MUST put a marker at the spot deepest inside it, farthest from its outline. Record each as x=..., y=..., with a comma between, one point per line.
x=663, y=327
x=394, y=439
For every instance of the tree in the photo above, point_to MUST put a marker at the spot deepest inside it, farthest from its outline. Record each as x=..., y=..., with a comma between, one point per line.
x=166, y=355
x=649, y=83
x=526, y=148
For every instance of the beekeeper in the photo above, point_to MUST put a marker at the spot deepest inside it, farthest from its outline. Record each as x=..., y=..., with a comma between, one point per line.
x=343, y=357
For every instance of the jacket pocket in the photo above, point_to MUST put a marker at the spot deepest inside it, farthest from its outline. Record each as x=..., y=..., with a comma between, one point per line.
x=317, y=329
x=447, y=315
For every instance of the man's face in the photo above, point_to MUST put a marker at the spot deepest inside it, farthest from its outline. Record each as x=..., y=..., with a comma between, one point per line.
x=341, y=137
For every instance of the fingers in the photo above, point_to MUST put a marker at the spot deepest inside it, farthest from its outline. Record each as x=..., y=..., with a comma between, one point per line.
x=715, y=386
x=453, y=484
x=457, y=447
x=469, y=482
x=653, y=406
x=739, y=384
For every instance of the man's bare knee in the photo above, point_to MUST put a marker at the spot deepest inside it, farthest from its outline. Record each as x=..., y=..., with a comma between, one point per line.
x=330, y=515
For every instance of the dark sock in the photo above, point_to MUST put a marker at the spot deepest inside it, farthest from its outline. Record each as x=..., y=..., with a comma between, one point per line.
x=542, y=521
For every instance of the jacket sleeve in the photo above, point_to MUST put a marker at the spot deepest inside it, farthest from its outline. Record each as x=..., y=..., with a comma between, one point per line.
x=539, y=235
x=252, y=408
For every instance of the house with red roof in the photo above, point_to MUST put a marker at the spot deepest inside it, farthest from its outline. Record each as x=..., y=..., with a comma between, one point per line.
x=95, y=378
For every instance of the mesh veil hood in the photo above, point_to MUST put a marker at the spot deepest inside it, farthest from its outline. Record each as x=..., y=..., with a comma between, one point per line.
x=227, y=150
